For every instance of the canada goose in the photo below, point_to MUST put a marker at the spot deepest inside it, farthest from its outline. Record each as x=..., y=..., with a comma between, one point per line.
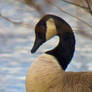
x=46, y=73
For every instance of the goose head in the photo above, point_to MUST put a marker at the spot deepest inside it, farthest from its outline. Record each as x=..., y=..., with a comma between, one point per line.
x=50, y=26
x=45, y=29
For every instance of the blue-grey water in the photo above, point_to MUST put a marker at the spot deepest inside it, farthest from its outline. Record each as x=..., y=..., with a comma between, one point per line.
x=17, y=22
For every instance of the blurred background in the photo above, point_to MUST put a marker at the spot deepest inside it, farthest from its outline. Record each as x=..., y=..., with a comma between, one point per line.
x=17, y=22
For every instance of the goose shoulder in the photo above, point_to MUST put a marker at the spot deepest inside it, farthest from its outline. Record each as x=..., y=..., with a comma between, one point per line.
x=44, y=74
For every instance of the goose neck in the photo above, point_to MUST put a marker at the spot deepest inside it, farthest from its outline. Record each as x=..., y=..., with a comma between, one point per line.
x=63, y=52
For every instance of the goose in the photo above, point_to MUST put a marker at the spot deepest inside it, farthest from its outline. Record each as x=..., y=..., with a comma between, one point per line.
x=47, y=73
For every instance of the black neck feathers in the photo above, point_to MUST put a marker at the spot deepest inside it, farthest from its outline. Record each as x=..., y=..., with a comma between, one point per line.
x=65, y=49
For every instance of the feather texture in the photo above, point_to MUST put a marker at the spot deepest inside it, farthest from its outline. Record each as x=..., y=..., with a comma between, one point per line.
x=54, y=79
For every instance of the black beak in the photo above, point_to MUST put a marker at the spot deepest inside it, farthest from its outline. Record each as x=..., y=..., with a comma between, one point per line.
x=36, y=45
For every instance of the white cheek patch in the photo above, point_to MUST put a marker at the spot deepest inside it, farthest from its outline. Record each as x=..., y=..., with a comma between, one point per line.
x=51, y=29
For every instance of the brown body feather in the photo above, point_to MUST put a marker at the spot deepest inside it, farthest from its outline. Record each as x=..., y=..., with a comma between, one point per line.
x=46, y=75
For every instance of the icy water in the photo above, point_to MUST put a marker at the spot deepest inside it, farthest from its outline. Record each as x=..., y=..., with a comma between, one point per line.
x=16, y=40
